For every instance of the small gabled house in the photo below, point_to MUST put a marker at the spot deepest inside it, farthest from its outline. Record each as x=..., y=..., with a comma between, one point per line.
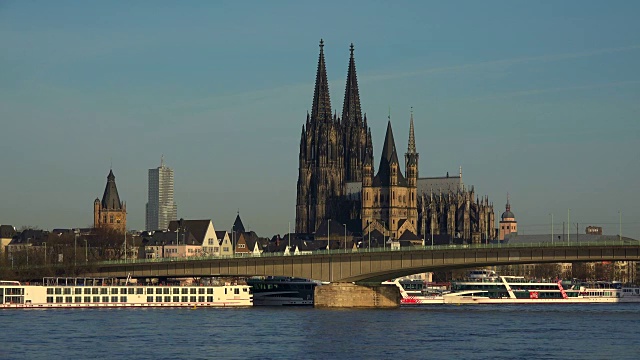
x=202, y=230
x=225, y=246
x=26, y=240
x=7, y=232
x=167, y=244
x=244, y=244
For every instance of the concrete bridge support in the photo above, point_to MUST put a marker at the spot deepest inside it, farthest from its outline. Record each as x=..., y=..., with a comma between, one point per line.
x=349, y=295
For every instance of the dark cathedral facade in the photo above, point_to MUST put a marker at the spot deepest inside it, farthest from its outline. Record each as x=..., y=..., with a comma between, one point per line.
x=337, y=180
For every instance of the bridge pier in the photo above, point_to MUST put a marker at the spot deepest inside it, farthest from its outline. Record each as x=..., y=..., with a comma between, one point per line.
x=349, y=295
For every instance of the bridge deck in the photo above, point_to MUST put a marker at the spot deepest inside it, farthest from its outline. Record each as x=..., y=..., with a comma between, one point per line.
x=372, y=265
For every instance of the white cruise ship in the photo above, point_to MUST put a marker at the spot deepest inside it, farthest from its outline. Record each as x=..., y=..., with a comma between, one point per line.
x=517, y=290
x=105, y=293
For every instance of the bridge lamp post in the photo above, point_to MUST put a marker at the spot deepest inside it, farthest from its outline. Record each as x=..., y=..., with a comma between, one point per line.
x=620, y=229
x=431, y=227
x=384, y=236
x=551, y=229
x=86, y=252
x=369, y=226
x=289, y=235
x=328, y=235
x=75, y=248
x=345, y=237
x=568, y=226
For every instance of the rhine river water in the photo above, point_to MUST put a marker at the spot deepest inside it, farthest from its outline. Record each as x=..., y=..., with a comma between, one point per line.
x=439, y=331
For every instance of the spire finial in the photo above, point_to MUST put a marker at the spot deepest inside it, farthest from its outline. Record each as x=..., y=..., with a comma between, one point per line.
x=162, y=160
x=321, y=44
x=461, y=171
x=110, y=163
x=351, y=49
x=389, y=116
x=412, y=139
x=508, y=205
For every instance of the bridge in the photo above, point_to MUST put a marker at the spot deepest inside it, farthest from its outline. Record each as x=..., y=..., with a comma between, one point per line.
x=372, y=266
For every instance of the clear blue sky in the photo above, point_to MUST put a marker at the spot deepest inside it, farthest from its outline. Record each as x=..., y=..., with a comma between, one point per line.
x=538, y=99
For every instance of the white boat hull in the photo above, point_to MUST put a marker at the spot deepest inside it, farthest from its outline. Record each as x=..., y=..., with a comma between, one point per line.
x=18, y=296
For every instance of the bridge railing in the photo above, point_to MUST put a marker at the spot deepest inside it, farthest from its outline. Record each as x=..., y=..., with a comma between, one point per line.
x=390, y=249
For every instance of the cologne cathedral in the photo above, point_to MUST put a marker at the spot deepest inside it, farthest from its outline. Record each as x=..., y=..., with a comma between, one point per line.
x=337, y=179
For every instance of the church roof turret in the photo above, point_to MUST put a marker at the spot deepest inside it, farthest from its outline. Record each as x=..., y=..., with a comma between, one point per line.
x=110, y=198
x=237, y=224
x=412, y=138
x=321, y=108
x=508, y=214
x=389, y=157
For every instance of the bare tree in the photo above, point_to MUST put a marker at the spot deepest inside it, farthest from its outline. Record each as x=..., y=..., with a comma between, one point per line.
x=547, y=271
x=108, y=244
x=581, y=270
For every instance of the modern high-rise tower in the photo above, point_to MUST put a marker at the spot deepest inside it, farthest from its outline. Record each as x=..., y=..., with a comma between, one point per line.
x=161, y=207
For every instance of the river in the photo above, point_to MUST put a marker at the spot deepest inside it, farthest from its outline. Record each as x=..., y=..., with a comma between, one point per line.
x=582, y=331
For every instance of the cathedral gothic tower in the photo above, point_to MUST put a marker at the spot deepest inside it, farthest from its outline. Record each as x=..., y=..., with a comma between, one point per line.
x=110, y=212
x=321, y=161
x=356, y=142
x=332, y=151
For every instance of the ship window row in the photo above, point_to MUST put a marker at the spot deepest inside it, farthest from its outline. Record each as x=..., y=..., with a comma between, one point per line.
x=86, y=299
x=176, y=299
x=13, y=291
x=176, y=291
x=116, y=291
x=13, y=300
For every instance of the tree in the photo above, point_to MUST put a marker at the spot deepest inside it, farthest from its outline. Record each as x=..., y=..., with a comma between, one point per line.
x=581, y=270
x=108, y=244
x=547, y=271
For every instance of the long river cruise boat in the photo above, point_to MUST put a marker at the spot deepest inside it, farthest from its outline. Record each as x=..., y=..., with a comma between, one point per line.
x=108, y=293
x=517, y=290
x=485, y=287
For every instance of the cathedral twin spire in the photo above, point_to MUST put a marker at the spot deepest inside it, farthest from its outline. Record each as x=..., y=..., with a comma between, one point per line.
x=321, y=108
x=332, y=150
x=351, y=111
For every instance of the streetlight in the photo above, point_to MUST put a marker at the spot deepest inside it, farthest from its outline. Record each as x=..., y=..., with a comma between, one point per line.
x=568, y=226
x=384, y=236
x=86, y=252
x=289, y=235
x=45, y=253
x=75, y=247
x=328, y=237
x=620, y=229
x=369, y=226
x=551, y=229
x=345, y=237
x=431, y=227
